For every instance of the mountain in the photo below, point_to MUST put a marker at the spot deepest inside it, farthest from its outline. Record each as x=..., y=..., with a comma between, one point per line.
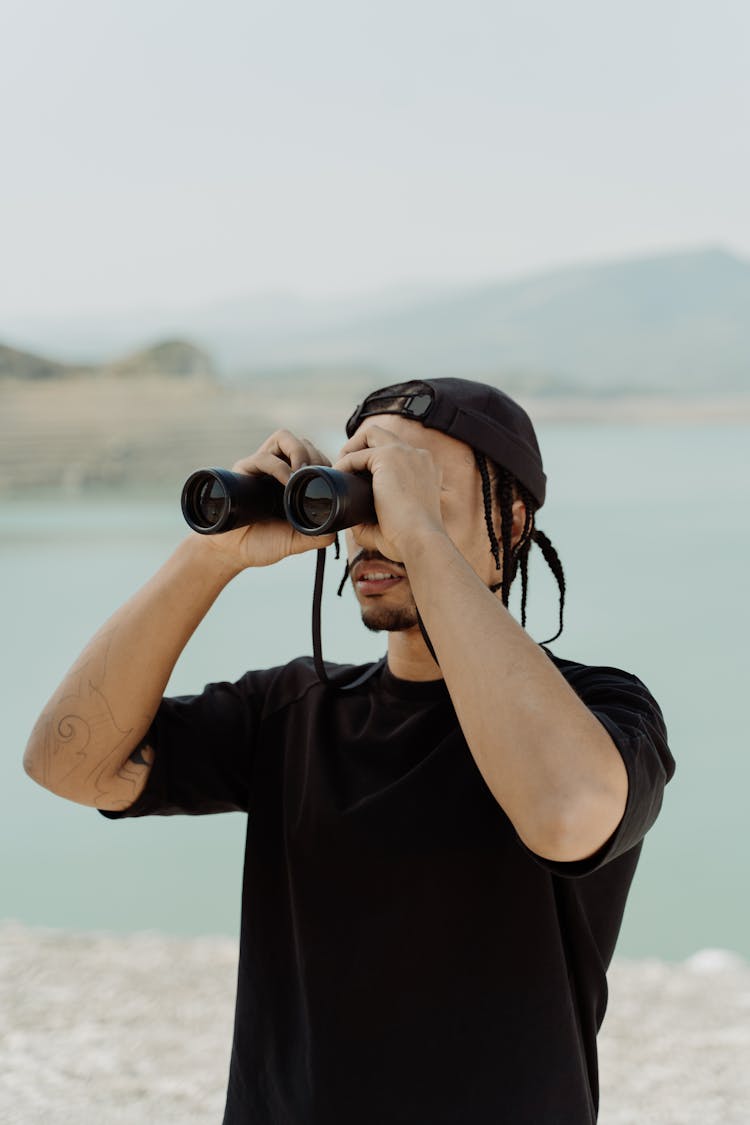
x=674, y=322
x=677, y=322
x=25, y=365
x=229, y=329
x=171, y=358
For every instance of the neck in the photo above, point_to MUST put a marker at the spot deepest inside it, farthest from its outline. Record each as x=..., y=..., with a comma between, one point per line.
x=409, y=658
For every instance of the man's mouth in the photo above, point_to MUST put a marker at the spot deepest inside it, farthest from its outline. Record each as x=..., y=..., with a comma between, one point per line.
x=375, y=579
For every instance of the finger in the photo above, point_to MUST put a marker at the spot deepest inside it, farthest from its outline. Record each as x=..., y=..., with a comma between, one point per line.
x=315, y=455
x=278, y=456
x=301, y=543
x=264, y=464
x=357, y=462
x=365, y=537
x=368, y=537
x=272, y=466
x=364, y=438
x=287, y=445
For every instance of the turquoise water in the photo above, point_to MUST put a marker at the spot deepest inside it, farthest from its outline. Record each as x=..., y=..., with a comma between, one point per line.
x=651, y=525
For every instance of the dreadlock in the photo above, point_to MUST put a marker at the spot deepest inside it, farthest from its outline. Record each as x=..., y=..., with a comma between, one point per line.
x=515, y=558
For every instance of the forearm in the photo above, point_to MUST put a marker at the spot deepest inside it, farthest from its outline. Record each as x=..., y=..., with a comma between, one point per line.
x=104, y=706
x=547, y=760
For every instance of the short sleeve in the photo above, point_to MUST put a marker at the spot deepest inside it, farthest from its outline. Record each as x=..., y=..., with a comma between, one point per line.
x=203, y=750
x=629, y=713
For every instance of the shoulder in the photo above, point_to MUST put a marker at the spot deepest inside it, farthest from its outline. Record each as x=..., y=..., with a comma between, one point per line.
x=586, y=679
x=622, y=702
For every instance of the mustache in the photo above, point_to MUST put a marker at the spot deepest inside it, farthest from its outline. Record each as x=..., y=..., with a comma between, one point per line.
x=374, y=556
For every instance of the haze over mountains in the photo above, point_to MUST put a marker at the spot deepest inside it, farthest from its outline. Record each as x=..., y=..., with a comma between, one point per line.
x=167, y=358
x=676, y=322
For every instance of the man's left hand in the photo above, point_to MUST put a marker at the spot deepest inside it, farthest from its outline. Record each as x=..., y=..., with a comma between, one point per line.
x=406, y=485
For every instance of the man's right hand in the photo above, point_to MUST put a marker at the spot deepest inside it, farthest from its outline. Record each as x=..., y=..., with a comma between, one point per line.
x=269, y=541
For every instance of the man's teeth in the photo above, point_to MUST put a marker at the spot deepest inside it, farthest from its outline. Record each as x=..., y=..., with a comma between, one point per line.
x=375, y=575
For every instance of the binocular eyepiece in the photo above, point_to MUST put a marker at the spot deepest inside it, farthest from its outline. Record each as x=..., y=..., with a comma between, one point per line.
x=316, y=500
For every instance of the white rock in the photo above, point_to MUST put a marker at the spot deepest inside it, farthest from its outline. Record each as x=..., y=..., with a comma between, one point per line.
x=715, y=961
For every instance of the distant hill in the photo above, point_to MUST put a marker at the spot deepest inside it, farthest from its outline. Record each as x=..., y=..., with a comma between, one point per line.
x=167, y=358
x=679, y=322
x=170, y=357
x=24, y=365
x=676, y=322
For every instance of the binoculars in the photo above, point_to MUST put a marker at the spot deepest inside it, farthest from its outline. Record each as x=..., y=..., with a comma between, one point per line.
x=316, y=500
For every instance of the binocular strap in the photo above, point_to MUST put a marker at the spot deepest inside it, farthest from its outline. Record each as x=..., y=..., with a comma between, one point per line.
x=317, y=645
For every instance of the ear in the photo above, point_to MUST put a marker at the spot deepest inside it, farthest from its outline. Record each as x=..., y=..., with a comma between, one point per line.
x=519, y=522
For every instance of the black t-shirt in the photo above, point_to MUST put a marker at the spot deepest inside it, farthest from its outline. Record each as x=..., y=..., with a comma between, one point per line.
x=404, y=958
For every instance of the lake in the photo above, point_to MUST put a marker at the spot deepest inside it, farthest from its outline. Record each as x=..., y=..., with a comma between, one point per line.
x=651, y=525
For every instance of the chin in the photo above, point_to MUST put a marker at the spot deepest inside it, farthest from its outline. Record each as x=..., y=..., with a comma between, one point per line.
x=379, y=620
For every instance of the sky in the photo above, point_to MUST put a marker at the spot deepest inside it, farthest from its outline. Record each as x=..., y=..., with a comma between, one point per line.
x=163, y=153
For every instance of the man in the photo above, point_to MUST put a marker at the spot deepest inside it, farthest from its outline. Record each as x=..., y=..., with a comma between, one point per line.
x=439, y=844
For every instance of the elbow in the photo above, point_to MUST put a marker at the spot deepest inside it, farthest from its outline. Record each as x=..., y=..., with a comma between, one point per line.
x=42, y=761
x=39, y=760
x=33, y=763
x=31, y=768
x=580, y=828
x=34, y=756
x=35, y=767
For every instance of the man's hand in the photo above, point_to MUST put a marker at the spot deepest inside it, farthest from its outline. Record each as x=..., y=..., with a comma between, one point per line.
x=406, y=485
x=269, y=541
x=87, y=743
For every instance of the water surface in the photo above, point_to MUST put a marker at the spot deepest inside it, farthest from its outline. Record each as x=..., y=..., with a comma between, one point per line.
x=651, y=526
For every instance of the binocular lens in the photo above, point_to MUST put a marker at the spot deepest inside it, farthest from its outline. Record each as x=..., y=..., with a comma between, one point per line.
x=319, y=499
x=316, y=501
x=210, y=501
x=215, y=500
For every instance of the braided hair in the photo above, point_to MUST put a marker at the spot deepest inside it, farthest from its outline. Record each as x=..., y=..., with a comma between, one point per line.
x=508, y=489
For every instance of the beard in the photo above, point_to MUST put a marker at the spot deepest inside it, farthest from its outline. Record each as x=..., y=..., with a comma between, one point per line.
x=378, y=619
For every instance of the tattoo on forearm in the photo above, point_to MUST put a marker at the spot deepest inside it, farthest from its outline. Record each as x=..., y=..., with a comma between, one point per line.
x=82, y=742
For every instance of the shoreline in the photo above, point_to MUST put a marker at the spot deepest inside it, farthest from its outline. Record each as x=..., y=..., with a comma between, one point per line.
x=96, y=1023
x=79, y=434
x=85, y=432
